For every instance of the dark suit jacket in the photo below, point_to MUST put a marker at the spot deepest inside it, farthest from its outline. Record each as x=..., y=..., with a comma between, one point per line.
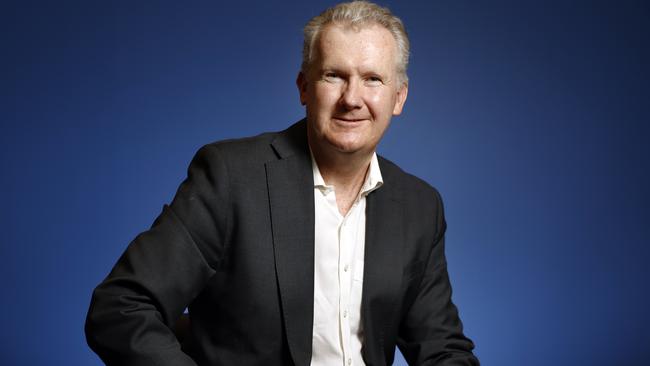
x=236, y=246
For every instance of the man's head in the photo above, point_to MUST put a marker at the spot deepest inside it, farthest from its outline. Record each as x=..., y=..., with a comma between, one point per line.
x=353, y=77
x=356, y=15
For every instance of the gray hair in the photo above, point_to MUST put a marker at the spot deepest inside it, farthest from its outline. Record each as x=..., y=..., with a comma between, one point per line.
x=357, y=14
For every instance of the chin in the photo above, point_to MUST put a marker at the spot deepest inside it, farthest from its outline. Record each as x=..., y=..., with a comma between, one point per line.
x=347, y=147
x=347, y=141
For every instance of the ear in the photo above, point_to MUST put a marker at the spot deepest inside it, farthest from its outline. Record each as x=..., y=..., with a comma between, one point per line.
x=402, y=92
x=301, y=83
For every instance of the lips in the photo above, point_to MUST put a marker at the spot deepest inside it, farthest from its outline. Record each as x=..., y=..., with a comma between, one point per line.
x=349, y=120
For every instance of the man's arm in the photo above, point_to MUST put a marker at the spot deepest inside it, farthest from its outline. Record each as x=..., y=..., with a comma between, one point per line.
x=431, y=332
x=133, y=311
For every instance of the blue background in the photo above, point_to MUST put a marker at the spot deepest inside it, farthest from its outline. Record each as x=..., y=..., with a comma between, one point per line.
x=531, y=117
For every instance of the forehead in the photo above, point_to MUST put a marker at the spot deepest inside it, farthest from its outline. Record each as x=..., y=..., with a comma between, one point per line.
x=366, y=45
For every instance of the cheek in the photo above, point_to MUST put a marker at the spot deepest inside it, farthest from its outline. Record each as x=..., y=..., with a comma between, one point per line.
x=326, y=94
x=374, y=98
x=381, y=103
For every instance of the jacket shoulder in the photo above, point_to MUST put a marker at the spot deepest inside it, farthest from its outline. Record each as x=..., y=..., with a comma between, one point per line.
x=408, y=184
x=264, y=147
x=241, y=148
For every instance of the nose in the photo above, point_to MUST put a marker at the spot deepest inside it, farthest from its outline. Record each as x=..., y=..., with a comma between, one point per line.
x=352, y=95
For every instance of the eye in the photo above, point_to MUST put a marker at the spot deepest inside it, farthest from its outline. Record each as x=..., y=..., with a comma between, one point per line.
x=331, y=76
x=374, y=81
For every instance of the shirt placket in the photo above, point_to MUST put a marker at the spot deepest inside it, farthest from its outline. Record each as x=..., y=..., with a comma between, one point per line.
x=346, y=252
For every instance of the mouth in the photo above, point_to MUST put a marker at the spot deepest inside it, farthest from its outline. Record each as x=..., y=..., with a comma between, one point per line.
x=349, y=120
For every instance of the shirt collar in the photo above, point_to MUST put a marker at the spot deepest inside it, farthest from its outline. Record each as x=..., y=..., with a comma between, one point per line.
x=373, y=181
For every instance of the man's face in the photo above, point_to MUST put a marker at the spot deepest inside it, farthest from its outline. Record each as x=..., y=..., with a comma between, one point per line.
x=351, y=89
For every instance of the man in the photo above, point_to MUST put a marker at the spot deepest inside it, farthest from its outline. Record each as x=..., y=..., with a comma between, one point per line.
x=299, y=247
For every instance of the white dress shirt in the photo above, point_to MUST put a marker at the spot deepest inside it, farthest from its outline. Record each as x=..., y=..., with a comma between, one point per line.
x=338, y=272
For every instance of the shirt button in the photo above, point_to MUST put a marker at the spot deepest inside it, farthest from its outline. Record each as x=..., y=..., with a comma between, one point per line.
x=346, y=268
x=345, y=314
x=349, y=361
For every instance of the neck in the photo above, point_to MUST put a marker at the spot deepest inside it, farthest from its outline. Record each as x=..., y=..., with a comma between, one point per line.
x=345, y=171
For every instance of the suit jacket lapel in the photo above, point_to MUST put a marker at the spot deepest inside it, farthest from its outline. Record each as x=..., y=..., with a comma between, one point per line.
x=291, y=198
x=382, y=275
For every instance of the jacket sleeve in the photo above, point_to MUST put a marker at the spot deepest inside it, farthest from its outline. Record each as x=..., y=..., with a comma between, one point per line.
x=133, y=311
x=431, y=332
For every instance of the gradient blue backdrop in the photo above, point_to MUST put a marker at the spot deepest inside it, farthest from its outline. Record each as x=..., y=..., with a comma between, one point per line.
x=531, y=117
